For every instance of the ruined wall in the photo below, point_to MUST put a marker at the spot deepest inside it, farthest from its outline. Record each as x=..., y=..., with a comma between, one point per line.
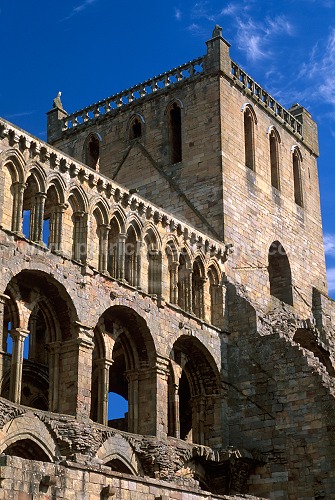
x=281, y=401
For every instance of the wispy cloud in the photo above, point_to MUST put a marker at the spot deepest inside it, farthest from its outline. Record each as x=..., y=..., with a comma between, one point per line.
x=197, y=29
x=19, y=115
x=322, y=62
x=230, y=9
x=79, y=8
x=255, y=38
x=329, y=242
x=177, y=14
x=331, y=279
x=203, y=10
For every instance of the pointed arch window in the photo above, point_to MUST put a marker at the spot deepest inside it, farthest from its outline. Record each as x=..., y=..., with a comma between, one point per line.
x=297, y=181
x=135, y=127
x=92, y=151
x=175, y=133
x=198, y=280
x=249, y=118
x=274, y=139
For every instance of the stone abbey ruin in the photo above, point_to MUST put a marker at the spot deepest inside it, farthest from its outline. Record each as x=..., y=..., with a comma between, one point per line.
x=165, y=245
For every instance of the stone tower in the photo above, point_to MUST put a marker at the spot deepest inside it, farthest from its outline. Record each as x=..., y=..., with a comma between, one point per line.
x=156, y=248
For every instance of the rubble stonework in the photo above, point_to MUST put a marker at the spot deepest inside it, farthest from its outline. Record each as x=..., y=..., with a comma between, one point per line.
x=156, y=248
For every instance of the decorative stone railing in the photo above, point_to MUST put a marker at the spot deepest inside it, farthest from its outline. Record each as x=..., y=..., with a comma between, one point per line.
x=130, y=95
x=265, y=99
x=51, y=158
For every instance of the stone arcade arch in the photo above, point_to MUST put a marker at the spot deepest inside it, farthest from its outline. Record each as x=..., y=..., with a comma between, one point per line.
x=45, y=313
x=195, y=394
x=28, y=437
x=117, y=453
x=12, y=177
x=124, y=363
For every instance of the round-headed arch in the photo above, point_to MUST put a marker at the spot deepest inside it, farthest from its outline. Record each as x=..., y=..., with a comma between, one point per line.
x=37, y=288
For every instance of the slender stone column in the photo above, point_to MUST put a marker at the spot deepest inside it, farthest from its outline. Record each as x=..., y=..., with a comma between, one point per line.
x=79, y=236
x=103, y=386
x=138, y=265
x=155, y=273
x=32, y=336
x=188, y=289
x=3, y=334
x=173, y=269
x=56, y=227
x=198, y=419
x=37, y=217
x=174, y=411
x=133, y=401
x=18, y=335
x=103, y=247
x=18, y=190
x=202, y=298
x=120, y=256
x=54, y=358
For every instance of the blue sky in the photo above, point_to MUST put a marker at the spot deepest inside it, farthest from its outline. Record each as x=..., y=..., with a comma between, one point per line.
x=90, y=49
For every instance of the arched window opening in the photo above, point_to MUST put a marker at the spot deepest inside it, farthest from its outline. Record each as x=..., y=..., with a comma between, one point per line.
x=135, y=128
x=50, y=229
x=171, y=273
x=280, y=274
x=175, y=133
x=198, y=281
x=92, y=151
x=249, y=144
x=95, y=239
x=29, y=201
x=33, y=374
x=193, y=381
x=75, y=219
x=296, y=158
x=123, y=389
x=118, y=390
x=114, y=253
x=185, y=409
x=184, y=283
x=152, y=264
x=216, y=298
x=27, y=449
x=132, y=257
x=12, y=199
x=274, y=160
